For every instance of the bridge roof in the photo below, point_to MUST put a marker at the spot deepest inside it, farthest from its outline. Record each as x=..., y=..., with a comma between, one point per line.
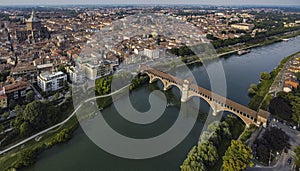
x=209, y=93
x=225, y=100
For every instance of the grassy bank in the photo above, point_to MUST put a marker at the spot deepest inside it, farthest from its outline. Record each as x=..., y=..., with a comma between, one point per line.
x=260, y=97
x=28, y=153
x=267, y=41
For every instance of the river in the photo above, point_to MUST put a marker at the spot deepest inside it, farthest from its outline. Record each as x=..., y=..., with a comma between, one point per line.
x=81, y=154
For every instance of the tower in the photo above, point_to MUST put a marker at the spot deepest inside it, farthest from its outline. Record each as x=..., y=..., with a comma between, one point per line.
x=33, y=23
x=185, y=91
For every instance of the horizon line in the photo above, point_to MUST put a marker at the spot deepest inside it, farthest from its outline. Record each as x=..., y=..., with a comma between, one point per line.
x=153, y=4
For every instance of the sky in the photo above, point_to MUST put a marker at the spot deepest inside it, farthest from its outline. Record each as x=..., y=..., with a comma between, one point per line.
x=201, y=2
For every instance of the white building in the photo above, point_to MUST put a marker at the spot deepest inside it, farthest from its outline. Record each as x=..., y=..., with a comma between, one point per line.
x=151, y=53
x=51, y=82
x=242, y=26
x=94, y=71
x=77, y=75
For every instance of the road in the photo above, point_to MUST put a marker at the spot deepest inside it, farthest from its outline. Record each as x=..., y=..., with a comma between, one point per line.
x=278, y=83
x=61, y=123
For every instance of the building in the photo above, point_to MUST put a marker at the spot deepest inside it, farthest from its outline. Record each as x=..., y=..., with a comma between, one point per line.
x=51, y=82
x=3, y=98
x=98, y=70
x=287, y=88
x=243, y=26
x=16, y=90
x=33, y=31
x=45, y=67
x=292, y=83
x=24, y=70
x=33, y=23
x=76, y=75
x=3, y=101
x=151, y=53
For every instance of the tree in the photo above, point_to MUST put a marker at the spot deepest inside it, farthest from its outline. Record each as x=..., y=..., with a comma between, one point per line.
x=63, y=136
x=1, y=128
x=251, y=92
x=62, y=68
x=25, y=129
x=18, y=110
x=193, y=162
x=33, y=114
x=29, y=96
x=204, y=136
x=265, y=76
x=276, y=139
x=298, y=75
x=213, y=126
x=237, y=157
x=56, y=96
x=12, y=103
x=262, y=153
x=5, y=114
x=208, y=152
x=1, y=110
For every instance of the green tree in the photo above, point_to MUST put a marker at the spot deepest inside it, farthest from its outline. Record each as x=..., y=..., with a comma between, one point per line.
x=18, y=110
x=237, y=157
x=251, y=92
x=5, y=114
x=12, y=103
x=193, y=161
x=208, y=152
x=276, y=139
x=56, y=96
x=1, y=128
x=62, y=68
x=25, y=129
x=63, y=136
x=33, y=113
x=265, y=76
x=213, y=126
x=29, y=96
x=254, y=86
x=298, y=75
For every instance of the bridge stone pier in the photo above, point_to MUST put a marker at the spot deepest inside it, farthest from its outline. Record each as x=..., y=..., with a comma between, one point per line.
x=217, y=102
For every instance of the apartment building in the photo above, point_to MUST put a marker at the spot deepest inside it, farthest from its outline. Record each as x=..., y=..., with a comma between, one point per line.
x=51, y=82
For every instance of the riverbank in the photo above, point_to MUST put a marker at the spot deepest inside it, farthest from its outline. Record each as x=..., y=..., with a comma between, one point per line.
x=223, y=52
x=260, y=96
x=274, y=39
x=27, y=155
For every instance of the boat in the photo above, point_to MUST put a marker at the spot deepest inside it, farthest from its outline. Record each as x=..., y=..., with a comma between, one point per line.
x=242, y=52
x=285, y=40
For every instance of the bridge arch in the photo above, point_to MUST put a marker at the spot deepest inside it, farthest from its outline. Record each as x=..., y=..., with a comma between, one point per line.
x=171, y=84
x=216, y=102
x=218, y=106
x=154, y=78
x=166, y=83
x=247, y=121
